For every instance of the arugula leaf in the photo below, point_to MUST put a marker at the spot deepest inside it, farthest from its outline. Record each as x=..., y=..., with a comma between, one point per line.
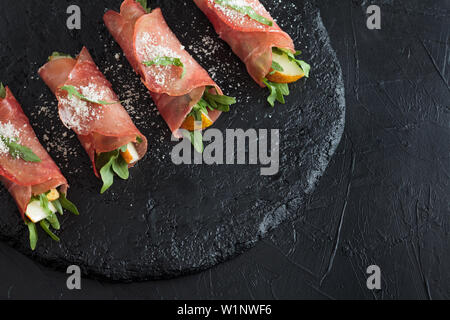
x=2, y=91
x=216, y=101
x=208, y=101
x=139, y=140
x=51, y=217
x=292, y=57
x=247, y=10
x=277, y=91
x=196, y=138
x=46, y=226
x=19, y=151
x=120, y=167
x=166, y=61
x=72, y=91
x=44, y=203
x=58, y=206
x=33, y=234
x=111, y=163
x=106, y=172
x=305, y=67
x=143, y=3
x=66, y=204
x=56, y=54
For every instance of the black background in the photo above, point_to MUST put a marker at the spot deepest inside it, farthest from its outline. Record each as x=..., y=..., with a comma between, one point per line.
x=384, y=199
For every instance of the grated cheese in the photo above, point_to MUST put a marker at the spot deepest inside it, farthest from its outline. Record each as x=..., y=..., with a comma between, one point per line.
x=77, y=113
x=7, y=130
x=92, y=92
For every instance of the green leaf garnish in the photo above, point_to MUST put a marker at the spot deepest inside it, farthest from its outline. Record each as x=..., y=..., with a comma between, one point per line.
x=139, y=140
x=277, y=91
x=166, y=61
x=72, y=91
x=292, y=57
x=144, y=5
x=33, y=234
x=56, y=54
x=46, y=226
x=19, y=151
x=67, y=205
x=2, y=91
x=111, y=163
x=247, y=10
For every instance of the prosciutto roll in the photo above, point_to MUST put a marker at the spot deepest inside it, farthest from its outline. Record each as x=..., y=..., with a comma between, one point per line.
x=182, y=90
x=267, y=51
x=89, y=106
x=27, y=170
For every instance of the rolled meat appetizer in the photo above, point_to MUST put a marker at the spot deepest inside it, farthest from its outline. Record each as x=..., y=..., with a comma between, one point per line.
x=28, y=172
x=89, y=106
x=186, y=96
x=268, y=52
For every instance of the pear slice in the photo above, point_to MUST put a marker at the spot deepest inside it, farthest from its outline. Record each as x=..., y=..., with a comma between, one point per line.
x=291, y=70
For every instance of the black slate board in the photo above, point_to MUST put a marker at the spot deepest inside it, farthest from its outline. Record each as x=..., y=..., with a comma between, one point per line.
x=168, y=220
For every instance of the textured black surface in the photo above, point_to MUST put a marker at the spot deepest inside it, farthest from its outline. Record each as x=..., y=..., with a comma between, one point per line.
x=169, y=220
x=384, y=198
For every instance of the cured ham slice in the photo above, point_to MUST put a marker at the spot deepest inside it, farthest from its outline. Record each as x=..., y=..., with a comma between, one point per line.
x=145, y=37
x=21, y=178
x=250, y=39
x=100, y=121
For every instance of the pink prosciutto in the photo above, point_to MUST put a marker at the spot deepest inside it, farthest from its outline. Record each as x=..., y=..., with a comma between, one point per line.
x=249, y=39
x=26, y=179
x=146, y=36
x=100, y=128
